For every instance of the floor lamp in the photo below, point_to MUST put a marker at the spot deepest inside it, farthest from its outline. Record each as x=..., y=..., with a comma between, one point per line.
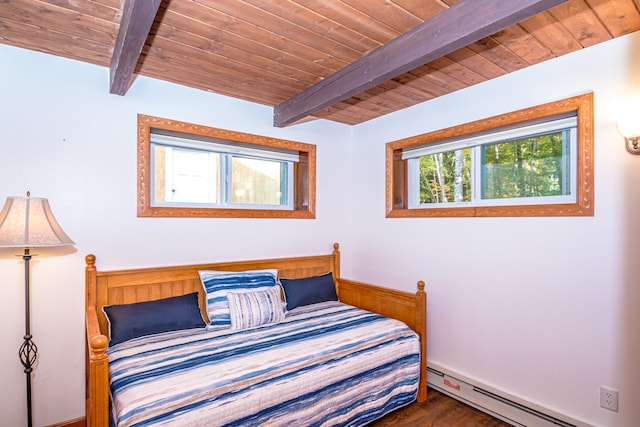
x=27, y=222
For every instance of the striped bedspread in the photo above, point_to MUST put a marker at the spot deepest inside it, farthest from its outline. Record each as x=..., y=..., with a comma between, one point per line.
x=327, y=364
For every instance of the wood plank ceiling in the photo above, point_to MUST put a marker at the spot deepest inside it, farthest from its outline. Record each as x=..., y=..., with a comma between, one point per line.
x=267, y=51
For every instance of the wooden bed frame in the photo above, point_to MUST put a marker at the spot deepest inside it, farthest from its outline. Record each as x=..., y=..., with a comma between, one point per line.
x=144, y=284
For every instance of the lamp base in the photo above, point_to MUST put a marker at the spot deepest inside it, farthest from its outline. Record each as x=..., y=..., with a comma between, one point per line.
x=28, y=355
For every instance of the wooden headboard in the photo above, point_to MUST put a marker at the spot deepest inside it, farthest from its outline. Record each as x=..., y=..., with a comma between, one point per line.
x=145, y=284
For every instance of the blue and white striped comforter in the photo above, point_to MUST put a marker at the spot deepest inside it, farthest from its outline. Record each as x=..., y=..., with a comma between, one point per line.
x=326, y=364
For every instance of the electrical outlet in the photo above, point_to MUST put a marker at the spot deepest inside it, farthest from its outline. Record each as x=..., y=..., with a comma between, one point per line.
x=609, y=398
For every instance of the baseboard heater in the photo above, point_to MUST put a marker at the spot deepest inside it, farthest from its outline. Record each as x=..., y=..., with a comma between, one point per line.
x=506, y=408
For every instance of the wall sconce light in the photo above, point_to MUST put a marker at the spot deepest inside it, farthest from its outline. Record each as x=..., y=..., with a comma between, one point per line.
x=630, y=129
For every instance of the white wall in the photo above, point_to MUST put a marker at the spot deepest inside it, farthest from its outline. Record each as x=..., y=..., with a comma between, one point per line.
x=542, y=308
x=63, y=137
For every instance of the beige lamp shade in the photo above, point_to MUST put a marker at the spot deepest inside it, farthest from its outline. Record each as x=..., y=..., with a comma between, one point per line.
x=27, y=222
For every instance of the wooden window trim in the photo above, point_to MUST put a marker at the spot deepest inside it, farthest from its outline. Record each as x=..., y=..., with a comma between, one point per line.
x=396, y=170
x=304, y=173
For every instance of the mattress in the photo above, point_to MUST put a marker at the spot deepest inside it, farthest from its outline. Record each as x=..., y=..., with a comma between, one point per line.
x=327, y=364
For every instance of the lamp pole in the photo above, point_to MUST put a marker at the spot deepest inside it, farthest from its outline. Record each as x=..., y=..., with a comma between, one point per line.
x=28, y=351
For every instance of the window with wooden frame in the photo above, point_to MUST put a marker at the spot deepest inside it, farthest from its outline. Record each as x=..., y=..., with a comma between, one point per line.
x=532, y=162
x=188, y=170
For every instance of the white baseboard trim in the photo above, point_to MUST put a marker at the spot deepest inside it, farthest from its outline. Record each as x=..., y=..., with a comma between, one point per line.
x=503, y=406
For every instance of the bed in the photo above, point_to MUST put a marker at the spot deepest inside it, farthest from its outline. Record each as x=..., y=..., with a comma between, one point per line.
x=367, y=392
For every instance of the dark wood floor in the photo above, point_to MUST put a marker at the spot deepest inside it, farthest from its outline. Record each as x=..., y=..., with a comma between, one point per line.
x=439, y=410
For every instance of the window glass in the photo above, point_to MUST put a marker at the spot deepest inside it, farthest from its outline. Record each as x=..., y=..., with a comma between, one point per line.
x=198, y=175
x=185, y=176
x=530, y=167
x=445, y=177
x=260, y=182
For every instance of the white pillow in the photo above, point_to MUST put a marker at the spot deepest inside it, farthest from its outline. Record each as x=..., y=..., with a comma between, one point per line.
x=251, y=309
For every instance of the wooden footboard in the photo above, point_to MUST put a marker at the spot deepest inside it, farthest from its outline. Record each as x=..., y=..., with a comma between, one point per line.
x=409, y=308
x=145, y=284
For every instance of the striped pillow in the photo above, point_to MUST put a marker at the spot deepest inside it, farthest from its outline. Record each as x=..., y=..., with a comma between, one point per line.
x=251, y=309
x=217, y=284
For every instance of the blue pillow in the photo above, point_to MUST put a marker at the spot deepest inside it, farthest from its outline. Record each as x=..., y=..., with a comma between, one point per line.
x=217, y=284
x=310, y=290
x=128, y=321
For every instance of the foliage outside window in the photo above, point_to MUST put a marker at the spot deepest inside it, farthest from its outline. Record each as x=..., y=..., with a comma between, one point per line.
x=530, y=164
x=187, y=170
x=533, y=162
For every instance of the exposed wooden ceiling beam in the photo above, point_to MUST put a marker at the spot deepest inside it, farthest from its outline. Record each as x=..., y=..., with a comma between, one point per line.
x=137, y=18
x=464, y=23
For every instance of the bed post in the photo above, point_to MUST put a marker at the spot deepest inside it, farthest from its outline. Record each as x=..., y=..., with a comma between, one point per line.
x=336, y=261
x=421, y=330
x=96, y=361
